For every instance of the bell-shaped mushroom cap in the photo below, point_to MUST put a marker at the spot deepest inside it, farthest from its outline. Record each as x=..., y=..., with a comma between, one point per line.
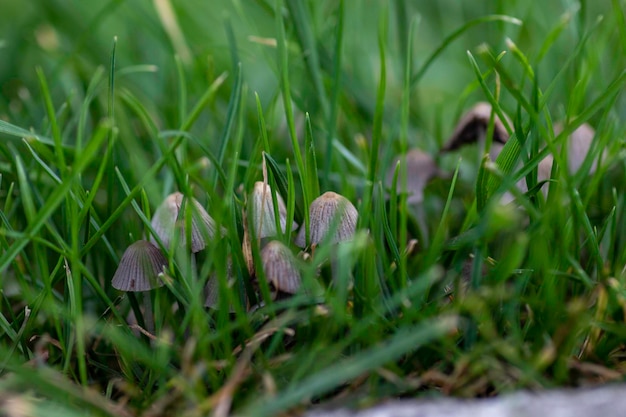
x=167, y=219
x=280, y=267
x=473, y=126
x=323, y=211
x=420, y=169
x=544, y=170
x=139, y=268
x=261, y=211
x=579, y=144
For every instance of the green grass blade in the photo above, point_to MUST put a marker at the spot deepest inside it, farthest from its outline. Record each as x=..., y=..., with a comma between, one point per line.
x=372, y=169
x=283, y=65
x=304, y=32
x=55, y=198
x=455, y=35
x=231, y=115
x=331, y=126
x=56, y=132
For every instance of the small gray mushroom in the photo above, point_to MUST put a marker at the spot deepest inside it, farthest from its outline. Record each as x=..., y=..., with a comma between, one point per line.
x=280, y=267
x=139, y=268
x=544, y=170
x=420, y=169
x=322, y=212
x=261, y=211
x=168, y=219
x=473, y=126
x=579, y=143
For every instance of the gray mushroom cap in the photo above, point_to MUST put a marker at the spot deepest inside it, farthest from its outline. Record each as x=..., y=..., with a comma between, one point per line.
x=167, y=219
x=280, y=267
x=139, y=268
x=578, y=145
x=420, y=169
x=473, y=126
x=323, y=210
x=261, y=211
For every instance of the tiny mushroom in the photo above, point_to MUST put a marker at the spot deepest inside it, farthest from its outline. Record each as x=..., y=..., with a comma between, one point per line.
x=579, y=144
x=139, y=268
x=328, y=210
x=261, y=210
x=280, y=267
x=473, y=126
x=167, y=219
x=420, y=169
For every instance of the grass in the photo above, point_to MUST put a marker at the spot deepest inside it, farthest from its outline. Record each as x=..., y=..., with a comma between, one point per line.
x=107, y=108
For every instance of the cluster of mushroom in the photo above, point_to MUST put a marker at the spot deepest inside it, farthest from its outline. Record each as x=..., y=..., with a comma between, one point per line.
x=279, y=262
x=472, y=128
x=143, y=264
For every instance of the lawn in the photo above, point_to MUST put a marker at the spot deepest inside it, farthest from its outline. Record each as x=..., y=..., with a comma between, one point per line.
x=183, y=145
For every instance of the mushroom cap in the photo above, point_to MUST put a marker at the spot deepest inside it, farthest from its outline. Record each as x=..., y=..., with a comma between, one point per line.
x=167, y=219
x=579, y=143
x=473, y=126
x=544, y=170
x=139, y=268
x=323, y=210
x=420, y=169
x=280, y=267
x=261, y=211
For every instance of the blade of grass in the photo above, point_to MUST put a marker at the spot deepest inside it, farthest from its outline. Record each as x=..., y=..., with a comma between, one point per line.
x=87, y=203
x=456, y=34
x=438, y=239
x=55, y=198
x=283, y=65
x=56, y=132
x=404, y=146
x=304, y=32
x=111, y=115
x=311, y=173
x=231, y=115
x=15, y=131
x=372, y=169
x=331, y=126
x=281, y=183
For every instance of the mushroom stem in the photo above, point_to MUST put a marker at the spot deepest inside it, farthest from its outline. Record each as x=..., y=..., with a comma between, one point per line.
x=420, y=217
x=134, y=305
x=148, y=315
x=144, y=317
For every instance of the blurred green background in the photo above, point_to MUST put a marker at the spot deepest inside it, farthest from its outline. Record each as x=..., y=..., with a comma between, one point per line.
x=71, y=39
